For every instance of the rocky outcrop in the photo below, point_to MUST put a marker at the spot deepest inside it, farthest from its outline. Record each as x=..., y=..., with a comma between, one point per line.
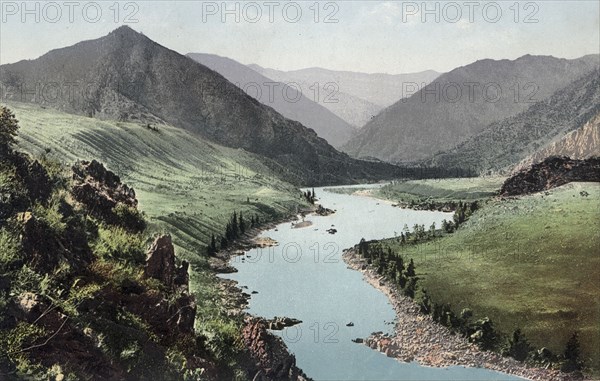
x=160, y=260
x=44, y=251
x=279, y=323
x=551, y=173
x=101, y=191
x=160, y=264
x=273, y=361
x=323, y=211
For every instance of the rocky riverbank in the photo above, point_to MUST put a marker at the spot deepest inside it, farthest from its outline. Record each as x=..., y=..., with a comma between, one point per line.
x=268, y=358
x=418, y=338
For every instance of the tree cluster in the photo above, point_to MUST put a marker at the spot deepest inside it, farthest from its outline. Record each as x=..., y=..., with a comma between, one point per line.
x=234, y=229
x=8, y=131
x=482, y=332
x=310, y=196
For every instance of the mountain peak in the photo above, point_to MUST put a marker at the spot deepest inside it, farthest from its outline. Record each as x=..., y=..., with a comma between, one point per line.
x=124, y=29
x=125, y=32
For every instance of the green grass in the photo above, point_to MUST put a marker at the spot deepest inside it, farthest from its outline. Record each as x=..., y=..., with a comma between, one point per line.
x=531, y=263
x=441, y=190
x=185, y=185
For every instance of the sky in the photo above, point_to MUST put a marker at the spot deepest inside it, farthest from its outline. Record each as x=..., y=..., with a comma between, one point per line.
x=364, y=36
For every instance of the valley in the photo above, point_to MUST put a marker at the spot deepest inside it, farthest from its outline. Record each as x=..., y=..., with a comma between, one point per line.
x=168, y=212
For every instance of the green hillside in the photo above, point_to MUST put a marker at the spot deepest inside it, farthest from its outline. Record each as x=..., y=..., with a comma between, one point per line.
x=530, y=263
x=186, y=186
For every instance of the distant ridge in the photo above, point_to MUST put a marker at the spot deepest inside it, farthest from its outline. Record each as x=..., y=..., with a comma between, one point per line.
x=355, y=97
x=433, y=120
x=287, y=100
x=503, y=144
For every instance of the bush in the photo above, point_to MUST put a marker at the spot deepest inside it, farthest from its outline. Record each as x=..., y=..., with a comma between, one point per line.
x=9, y=251
x=117, y=243
x=223, y=339
x=130, y=218
x=51, y=216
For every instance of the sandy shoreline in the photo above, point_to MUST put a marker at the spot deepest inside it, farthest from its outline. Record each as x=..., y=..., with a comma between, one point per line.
x=418, y=338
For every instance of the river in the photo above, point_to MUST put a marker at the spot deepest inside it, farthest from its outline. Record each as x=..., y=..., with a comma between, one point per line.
x=304, y=277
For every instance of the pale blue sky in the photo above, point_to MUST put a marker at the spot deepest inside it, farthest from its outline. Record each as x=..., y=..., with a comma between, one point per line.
x=369, y=36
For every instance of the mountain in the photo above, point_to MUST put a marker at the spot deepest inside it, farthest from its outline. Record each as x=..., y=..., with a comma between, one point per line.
x=289, y=101
x=462, y=103
x=127, y=76
x=505, y=143
x=583, y=143
x=354, y=97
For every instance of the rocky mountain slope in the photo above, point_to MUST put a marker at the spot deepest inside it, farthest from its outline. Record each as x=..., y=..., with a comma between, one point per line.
x=354, y=97
x=128, y=77
x=583, y=143
x=462, y=103
x=505, y=143
x=294, y=103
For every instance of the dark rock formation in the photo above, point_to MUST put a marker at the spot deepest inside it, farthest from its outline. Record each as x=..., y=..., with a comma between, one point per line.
x=43, y=251
x=551, y=173
x=160, y=261
x=322, y=211
x=279, y=323
x=160, y=264
x=273, y=361
x=101, y=191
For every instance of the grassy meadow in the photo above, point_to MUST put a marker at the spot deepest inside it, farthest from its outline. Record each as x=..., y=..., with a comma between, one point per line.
x=441, y=190
x=531, y=262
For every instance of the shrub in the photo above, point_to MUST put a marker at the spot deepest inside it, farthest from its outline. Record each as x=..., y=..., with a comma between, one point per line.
x=130, y=218
x=51, y=216
x=116, y=243
x=9, y=251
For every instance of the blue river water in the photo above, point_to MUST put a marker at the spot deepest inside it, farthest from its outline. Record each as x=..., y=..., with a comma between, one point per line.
x=304, y=277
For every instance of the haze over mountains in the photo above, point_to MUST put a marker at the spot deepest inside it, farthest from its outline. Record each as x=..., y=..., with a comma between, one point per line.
x=289, y=101
x=355, y=97
x=462, y=103
x=126, y=76
x=505, y=143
